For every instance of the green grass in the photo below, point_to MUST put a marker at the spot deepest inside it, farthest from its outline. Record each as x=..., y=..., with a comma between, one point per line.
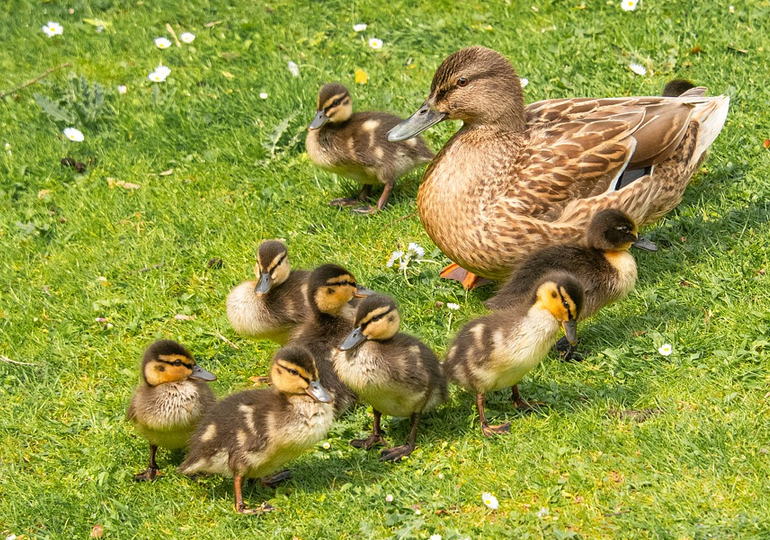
x=75, y=249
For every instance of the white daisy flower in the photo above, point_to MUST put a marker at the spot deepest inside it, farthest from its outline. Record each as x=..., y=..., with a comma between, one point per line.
x=666, y=349
x=435, y=537
x=452, y=306
x=122, y=89
x=388, y=498
x=326, y=446
x=263, y=95
x=162, y=43
x=293, y=69
x=375, y=43
x=524, y=82
x=543, y=512
x=160, y=74
x=732, y=9
x=404, y=265
x=360, y=27
x=629, y=5
x=638, y=69
x=396, y=255
x=73, y=134
x=187, y=37
x=417, y=249
x=52, y=29
x=165, y=71
x=489, y=500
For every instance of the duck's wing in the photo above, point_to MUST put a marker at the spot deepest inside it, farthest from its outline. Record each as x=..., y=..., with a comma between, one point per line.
x=580, y=148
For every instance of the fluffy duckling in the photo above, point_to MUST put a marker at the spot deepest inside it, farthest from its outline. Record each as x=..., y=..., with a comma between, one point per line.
x=497, y=350
x=171, y=398
x=330, y=288
x=357, y=146
x=274, y=305
x=397, y=374
x=253, y=433
x=677, y=87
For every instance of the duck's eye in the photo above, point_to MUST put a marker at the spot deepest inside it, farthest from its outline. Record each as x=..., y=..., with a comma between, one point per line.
x=294, y=372
x=336, y=102
x=462, y=81
x=565, y=304
x=177, y=362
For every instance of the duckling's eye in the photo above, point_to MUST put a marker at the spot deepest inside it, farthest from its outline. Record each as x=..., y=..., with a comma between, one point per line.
x=462, y=81
x=336, y=102
x=565, y=304
x=177, y=362
x=294, y=372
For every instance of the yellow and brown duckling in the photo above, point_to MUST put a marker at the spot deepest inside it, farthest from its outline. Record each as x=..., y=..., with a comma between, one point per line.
x=170, y=400
x=356, y=145
x=330, y=289
x=276, y=303
x=514, y=178
x=252, y=434
x=497, y=350
x=397, y=374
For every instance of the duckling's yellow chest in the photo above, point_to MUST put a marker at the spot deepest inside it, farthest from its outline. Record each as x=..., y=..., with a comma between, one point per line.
x=625, y=265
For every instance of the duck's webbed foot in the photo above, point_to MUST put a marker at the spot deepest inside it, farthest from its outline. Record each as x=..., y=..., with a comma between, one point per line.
x=399, y=452
x=149, y=474
x=523, y=405
x=370, y=442
x=274, y=480
x=345, y=201
x=365, y=210
x=568, y=352
x=263, y=508
x=500, y=429
x=468, y=279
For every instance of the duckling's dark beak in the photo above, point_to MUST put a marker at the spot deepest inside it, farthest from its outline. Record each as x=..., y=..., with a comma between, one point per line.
x=317, y=392
x=362, y=292
x=354, y=339
x=264, y=283
x=425, y=117
x=319, y=120
x=202, y=375
x=570, y=330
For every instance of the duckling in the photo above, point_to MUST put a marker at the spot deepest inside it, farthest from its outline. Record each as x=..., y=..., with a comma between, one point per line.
x=356, y=146
x=171, y=398
x=497, y=350
x=677, y=87
x=397, y=374
x=330, y=289
x=272, y=307
x=253, y=433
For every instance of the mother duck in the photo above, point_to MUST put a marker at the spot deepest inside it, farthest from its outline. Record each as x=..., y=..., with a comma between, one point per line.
x=514, y=179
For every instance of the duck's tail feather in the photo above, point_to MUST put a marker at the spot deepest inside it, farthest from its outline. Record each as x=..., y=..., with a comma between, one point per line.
x=711, y=117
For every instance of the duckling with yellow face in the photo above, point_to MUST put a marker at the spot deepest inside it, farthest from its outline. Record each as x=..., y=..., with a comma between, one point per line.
x=397, y=374
x=330, y=289
x=254, y=433
x=274, y=305
x=169, y=402
x=497, y=350
x=356, y=145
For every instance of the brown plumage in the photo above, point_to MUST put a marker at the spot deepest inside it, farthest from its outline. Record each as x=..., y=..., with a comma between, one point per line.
x=514, y=179
x=495, y=351
x=604, y=267
x=357, y=146
x=168, y=403
x=677, y=87
x=397, y=374
x=253, y=433
x=274, y=305
x=330, y=288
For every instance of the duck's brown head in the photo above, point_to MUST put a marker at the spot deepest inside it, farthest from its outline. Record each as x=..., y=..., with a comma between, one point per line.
x=272, y=267
x=611, y=230
x=294, y=372
x=563, y=296
x=167, y=361
x=330, y=287
x=334, y=105
x=476, y=85
x=377, y=319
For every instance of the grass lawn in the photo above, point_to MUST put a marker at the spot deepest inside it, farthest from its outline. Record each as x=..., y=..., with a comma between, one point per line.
x=94, y=269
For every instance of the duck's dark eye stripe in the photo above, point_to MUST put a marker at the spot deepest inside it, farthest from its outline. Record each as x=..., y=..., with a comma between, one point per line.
x=177, y=363
x=277, y=263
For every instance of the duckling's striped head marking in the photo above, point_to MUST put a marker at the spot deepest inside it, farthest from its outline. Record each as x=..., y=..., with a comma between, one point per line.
x=294, y=371
x=334, y=105
x=272, y=267
x=330, y=287
x=563, y=296
x=611, y=230
x=378, y=317
x=167, y=361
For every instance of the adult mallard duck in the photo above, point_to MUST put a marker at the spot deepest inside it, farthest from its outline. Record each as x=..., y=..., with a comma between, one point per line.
x=515, y=178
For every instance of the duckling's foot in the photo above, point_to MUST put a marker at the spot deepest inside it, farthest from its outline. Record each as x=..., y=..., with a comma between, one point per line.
x=276, y=479
x=149, y=474
x=399, y=452
x=263, y=508
x=345, y=201
x=370, y=442
x=365, y=210
x=568, y=352
x=468, y=279
x=501, y=429
x=645, y=244
x=521, y=404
